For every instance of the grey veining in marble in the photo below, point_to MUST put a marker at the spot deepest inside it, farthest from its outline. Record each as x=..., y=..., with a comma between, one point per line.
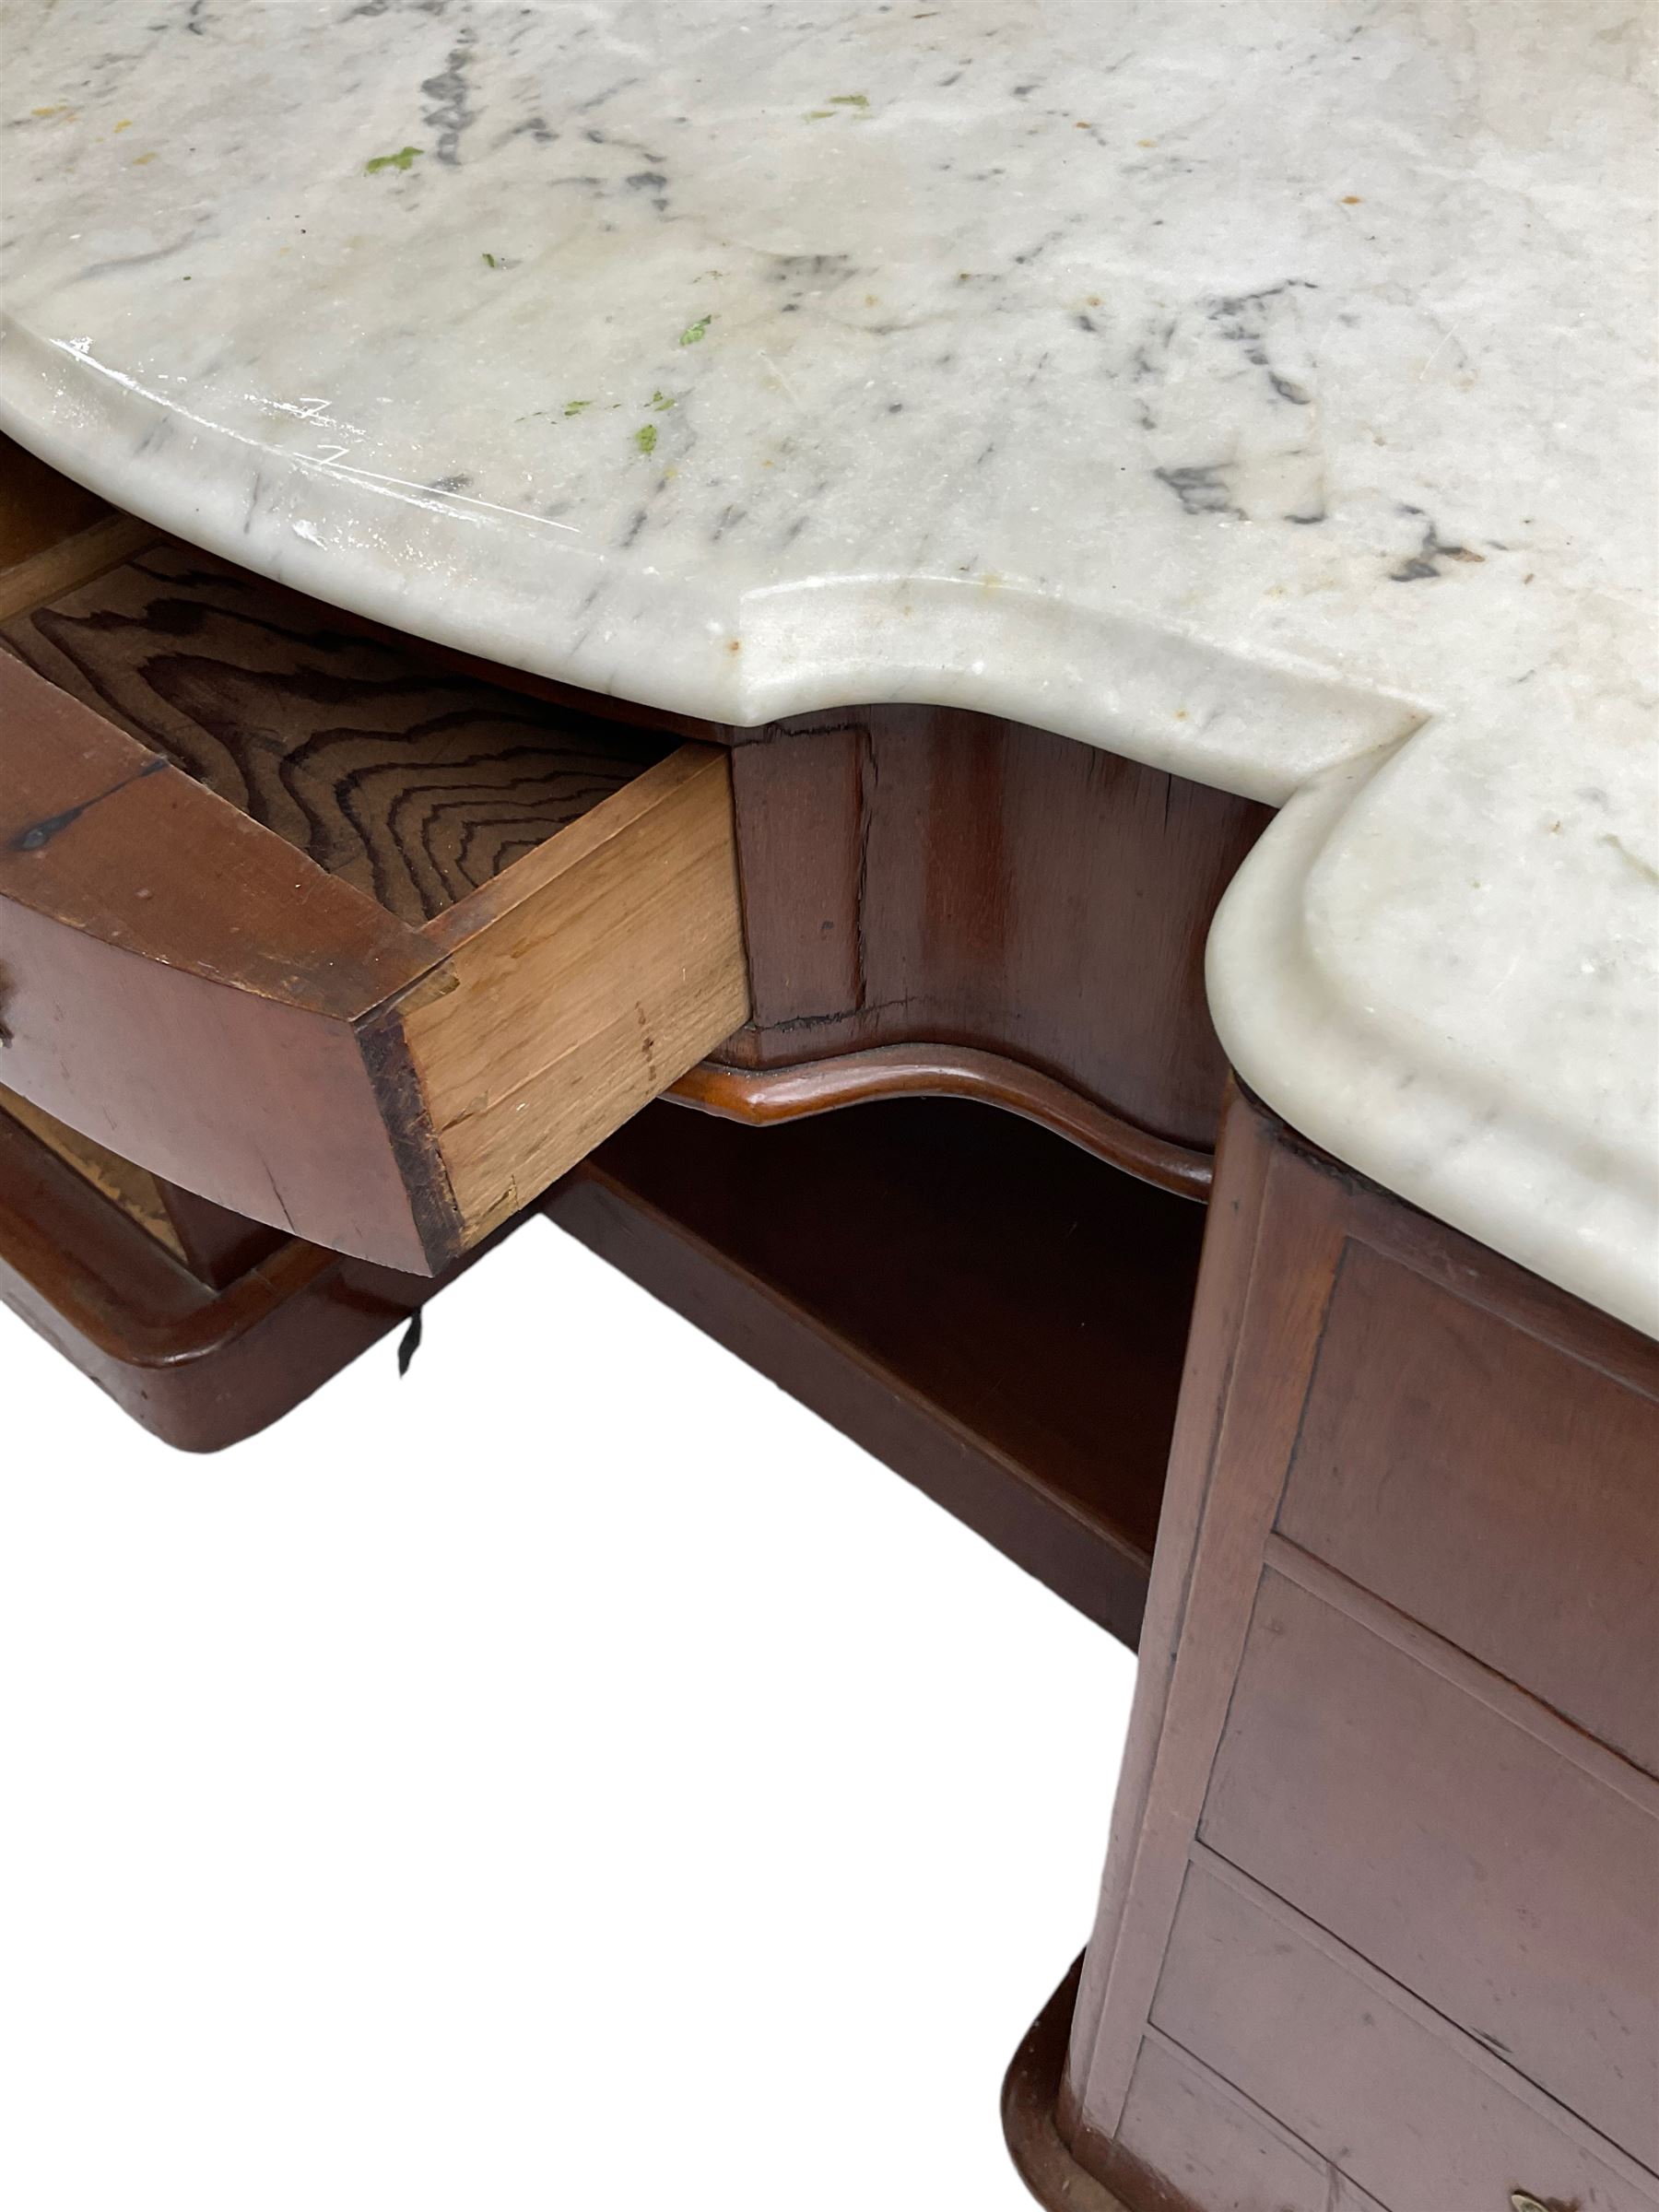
x=1262, y=388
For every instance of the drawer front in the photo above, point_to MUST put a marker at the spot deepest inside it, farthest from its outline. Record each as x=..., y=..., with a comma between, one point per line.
x=1516, y=1514
x=1188, y=2139
x=363, y=949
x=1515, y=1893
x=1351, y=2065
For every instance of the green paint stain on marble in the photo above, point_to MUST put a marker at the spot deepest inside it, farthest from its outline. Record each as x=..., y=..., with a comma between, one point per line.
x=405, y=157
x=645, y=438
x=574, y=406
x=695, y=333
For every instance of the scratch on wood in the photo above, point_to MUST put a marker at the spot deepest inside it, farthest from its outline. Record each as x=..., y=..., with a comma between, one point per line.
x=40, y=834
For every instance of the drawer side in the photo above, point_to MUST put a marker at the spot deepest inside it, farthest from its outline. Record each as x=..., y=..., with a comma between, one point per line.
x=579, y=985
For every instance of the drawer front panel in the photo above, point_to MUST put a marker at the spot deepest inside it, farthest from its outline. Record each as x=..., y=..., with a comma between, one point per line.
x=1517, y=1514
x=1188, y=2139
x=1353, y=2067
x=1471, y=1862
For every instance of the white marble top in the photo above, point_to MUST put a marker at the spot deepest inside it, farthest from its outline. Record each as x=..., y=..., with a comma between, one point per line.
x=1261, y=388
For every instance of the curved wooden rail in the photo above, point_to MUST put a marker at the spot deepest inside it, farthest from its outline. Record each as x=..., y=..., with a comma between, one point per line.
x=763, y=1096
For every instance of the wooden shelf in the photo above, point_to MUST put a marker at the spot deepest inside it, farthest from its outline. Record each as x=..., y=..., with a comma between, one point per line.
x=985, y=1308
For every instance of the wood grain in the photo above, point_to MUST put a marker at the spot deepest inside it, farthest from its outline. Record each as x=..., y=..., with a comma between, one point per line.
x=1251, y=1354
x=68, y=563
x=1243, y=1163
x=579, y=984
x=761, y=1098
x=923, y=876
x=1517, y=1514
x=1473, y=1844
x=411, y=783
x=1311, y=2032
x=181, y=986
x=1500, y=1882
x=223, y=815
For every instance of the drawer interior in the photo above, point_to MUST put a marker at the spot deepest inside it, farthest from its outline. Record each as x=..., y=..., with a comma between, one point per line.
x=342, y=932
x=411, y=779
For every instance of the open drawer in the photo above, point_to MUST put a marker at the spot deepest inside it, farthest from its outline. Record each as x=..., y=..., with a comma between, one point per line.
x=323, y=926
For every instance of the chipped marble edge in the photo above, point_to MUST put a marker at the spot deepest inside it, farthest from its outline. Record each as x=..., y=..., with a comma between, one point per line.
x=400, y=554
x=1337, y=1078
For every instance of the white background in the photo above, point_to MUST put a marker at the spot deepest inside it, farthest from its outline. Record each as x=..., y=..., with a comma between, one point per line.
x=572, y=1777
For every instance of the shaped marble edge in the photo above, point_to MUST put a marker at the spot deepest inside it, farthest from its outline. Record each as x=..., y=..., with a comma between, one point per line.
x=1263, y=393
x=397, y=553
x=1304, y=1012
x=1468, y=1094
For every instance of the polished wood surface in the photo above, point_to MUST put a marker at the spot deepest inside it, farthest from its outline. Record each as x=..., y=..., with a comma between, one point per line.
x=1485, y=1864
x=1030, y=2088
x=760, y=1098
x=200, y=1366
x=1173, y=1728
x=180, y=986
x=923, y=875
x=989, y=1310
x=930, y=902
x=217, y=1245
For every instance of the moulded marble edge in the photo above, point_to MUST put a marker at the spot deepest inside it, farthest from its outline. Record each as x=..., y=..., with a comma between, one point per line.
x=454, y=569
x=1297, y=740
x=1428, y=1134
